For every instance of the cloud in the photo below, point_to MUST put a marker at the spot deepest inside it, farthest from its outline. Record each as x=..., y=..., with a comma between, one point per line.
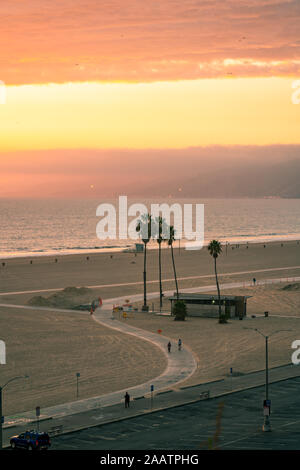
x=129, y=40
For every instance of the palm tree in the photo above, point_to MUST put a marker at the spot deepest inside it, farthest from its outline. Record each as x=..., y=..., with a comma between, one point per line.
x=170, y=243
x=215, y=249
x=144, y=228
x=161, y=230
x=159, y=241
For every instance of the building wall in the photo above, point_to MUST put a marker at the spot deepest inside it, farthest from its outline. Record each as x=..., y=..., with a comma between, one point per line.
x=210, y=311
x=240, y=306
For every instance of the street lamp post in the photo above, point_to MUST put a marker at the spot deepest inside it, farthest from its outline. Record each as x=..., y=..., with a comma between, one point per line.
x=2, y=417
x=77, y=379
x=267, y=425
x=267, y=368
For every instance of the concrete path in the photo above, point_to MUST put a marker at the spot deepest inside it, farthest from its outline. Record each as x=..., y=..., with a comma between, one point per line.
x=108, y=303
x=203, y=276
x=99, y=415
x=181, y=364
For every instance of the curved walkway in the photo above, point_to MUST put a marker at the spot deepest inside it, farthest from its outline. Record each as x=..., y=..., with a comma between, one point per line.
x=181, y=364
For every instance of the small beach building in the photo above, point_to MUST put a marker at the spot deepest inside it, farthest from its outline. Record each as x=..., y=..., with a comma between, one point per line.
x=139, y=247
x=207, y=305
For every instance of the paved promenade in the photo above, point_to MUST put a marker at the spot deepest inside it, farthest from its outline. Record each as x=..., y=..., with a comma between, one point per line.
x=233, y=421
x=185, y=278
x=181, y=365
x=101, y=414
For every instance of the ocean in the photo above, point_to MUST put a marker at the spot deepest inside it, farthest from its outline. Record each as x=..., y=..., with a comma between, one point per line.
x=50, y=227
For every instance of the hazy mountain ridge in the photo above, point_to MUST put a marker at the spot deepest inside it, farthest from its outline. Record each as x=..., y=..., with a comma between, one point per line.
x=237, y=179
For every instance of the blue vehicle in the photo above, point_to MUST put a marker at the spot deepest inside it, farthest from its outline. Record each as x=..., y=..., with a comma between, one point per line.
x=31, y=440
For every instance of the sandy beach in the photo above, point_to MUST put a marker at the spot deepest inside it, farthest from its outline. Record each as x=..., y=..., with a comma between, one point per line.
x=52, y=346
x=103, y=269
x=234, y=345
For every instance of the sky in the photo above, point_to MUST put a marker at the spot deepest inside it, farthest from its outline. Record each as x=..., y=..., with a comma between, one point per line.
x=89, y=77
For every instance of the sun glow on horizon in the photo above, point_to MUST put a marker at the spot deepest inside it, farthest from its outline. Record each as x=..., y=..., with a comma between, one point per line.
x=228, y=111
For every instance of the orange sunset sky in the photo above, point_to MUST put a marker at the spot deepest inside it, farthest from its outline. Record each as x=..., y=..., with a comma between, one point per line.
x=93, y=84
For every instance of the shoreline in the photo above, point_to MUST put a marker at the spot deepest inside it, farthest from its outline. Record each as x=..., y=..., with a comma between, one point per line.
x=131, y=250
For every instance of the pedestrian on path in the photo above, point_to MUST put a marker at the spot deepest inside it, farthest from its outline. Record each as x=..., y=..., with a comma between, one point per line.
x=127, y=400
x=179, y=344
x=169, y=347
x=254, y=281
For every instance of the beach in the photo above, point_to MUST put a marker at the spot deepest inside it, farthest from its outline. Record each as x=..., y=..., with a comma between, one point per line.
x=218, y=348
x=121, y=273
x=52, y=346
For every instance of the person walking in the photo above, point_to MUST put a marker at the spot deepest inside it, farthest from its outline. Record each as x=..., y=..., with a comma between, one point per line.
x=169, y=347
x=179, y=344
x=254, y=281
x=127, y=400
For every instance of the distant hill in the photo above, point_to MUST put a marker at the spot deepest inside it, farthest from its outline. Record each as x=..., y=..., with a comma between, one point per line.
x=236, y=179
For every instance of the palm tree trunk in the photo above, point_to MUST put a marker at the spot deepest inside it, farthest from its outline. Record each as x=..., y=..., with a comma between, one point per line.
x=160, y=284
x=174, y=269
x=218, y=289
x=145, y=280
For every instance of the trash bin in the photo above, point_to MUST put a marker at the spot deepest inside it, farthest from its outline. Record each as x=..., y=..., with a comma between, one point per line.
x=266, y=314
